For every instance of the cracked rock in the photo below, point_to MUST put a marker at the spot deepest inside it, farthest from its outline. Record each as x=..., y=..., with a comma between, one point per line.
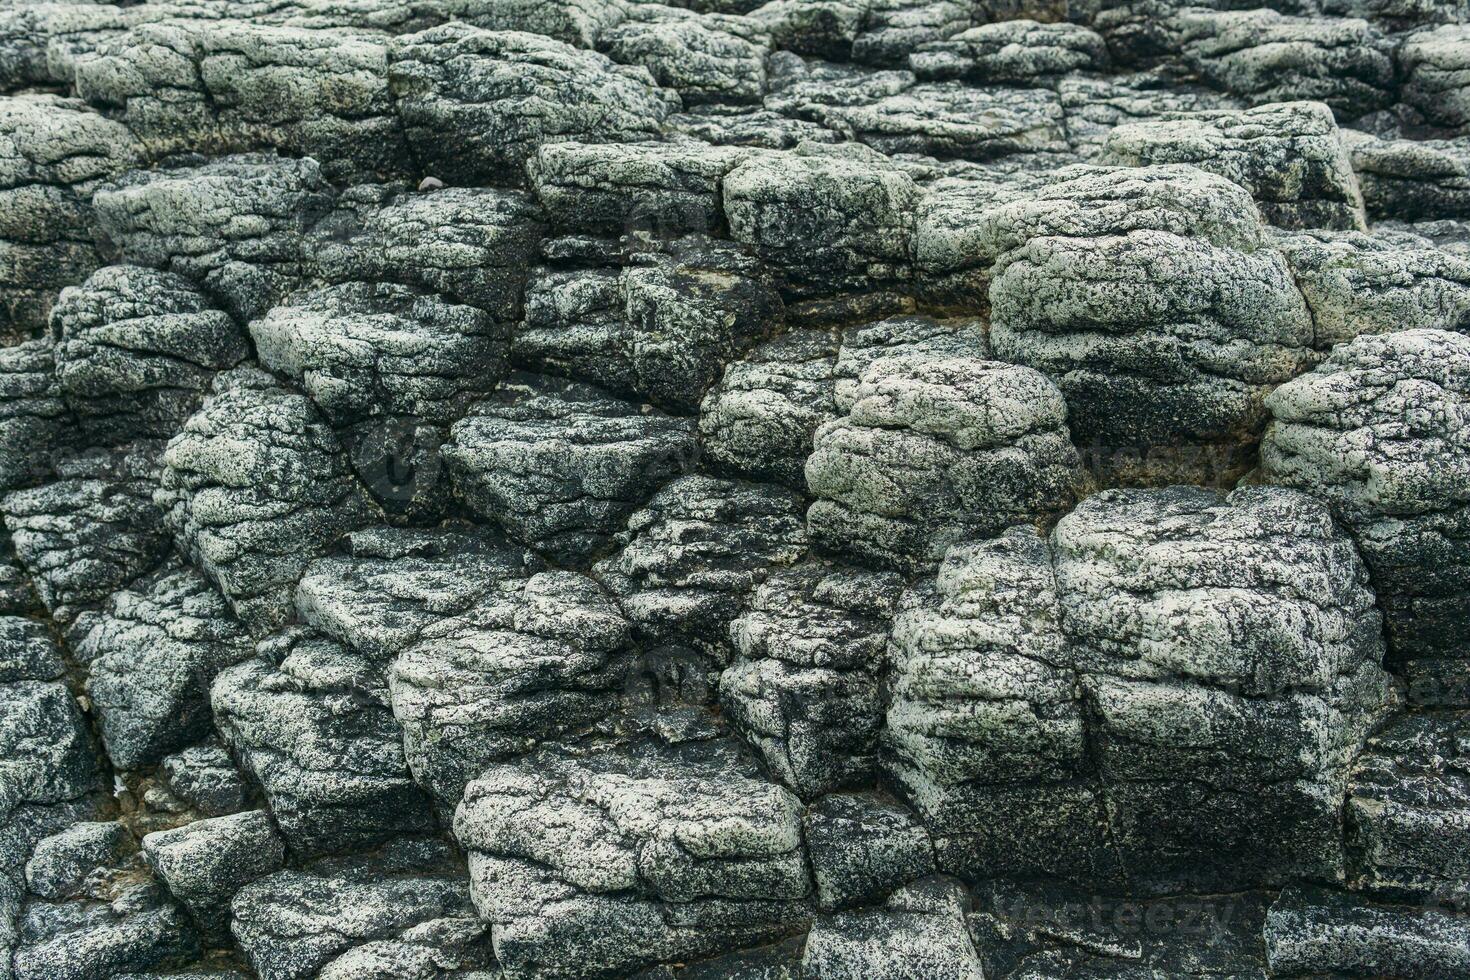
x=534, y=660
x=1411, y=179
x=934, y=449
x=560, y=465
x=34, y=420
x=1375, y=431
x=863, y=848
x=596, y=867
x=699, y=57
x=233, y=225
x=206, y=862
x=152, y=655
x=254, y=487
x=1289, y=156
x=136, y=349
x=54, y=152
x=502, y=94
x=1434, y=65
x=1020, y=51
x=919, y=932
x=1312, y=929
x=310, y=722
x=804, y=691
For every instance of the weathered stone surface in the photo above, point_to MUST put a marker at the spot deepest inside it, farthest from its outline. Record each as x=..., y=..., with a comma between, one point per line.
x=932, y=450
x=254, y=487
x=1408, y=806
x=1152, y=298
x=233, y=226
x=560, y=465
x=504, y=93
x=136, y=349
x=92, y=530
x=232, y=86
x=596, y=867
x=534, y=660
x=53, y=154
x=1310, y=929
x=703, y=58
x=1375, y=431
x=862, y=848
x=1357, y=283
x=206, y=862
x=919, y=932
x=1094, y=106
x=1288, y=155
x=152, y=655
x=1434, y=65
x=1012, y=51
x=328, y=920
x=310, y=721
x=205, y=777
x=34, y=421
x=805, y=689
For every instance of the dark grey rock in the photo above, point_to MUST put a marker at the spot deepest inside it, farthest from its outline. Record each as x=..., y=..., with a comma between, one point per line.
x=35, y=423
x=1433, y=64
x=919, y=933
x=862, y=848
x=1410, y=180
x=205, y=777
x=206, y=862
x=61, y=865
x=1310, y=930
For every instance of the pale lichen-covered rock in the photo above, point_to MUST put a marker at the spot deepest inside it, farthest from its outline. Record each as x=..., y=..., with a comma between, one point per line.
x=1094, y=106
x=364, y=351
x=326, y=921
x=233, y=86
x=1263, y=56
x=1376, y=431
x=1357, y=283
x=1228, y=652
x=1288, y=155
x=689, y=559
x=660, y=331
x=920, y=932
x=136, y=349
x=254, y=487
x=206, y=862
x=1436, y=75
x=392, y=583
x=1411, y=179
x=935, y=449
x=233, y=226
x=152, y=655
x=534, y=660
x=1309, y=930
x=1153, y=299
x=560, y=465
x=1408, y=807
x=1018, y=51
x=502, y=94
x=596, y=867
x=34, y=420
x=703, y=58
x=805, y=688
x=54, y=152
x=92, y=530
x=310, y=721
x=576, y=22
x=472, y=244
x=828, y=221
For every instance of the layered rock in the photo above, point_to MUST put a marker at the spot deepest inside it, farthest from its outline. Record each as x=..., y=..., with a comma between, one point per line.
x=1375, y=432
x=1434, y=65
x=936, y=449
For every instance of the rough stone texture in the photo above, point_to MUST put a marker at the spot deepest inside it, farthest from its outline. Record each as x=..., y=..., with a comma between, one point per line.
x=920, y=932
x=310, y=721
x=504, y=93
x=206, y=862
x=1094, y=106
x=535, y=660
x=92, y=530
x=1309, y=930
x=932, y=450
x=560, y=465
x=152, y=655
x=1408, y=807
x=1434, y=65
x=53, y=154
x=1411, y=179
x=1360, y=433
x=862, y=848
x=136, y=349
x=233, y=226
x=254, y=486
x=1289, y=156
x=1012, y=51
x=598, y=866
x=1356, y=283
x=34, y=420
x=205, y=777
x=1152, y=298
x=805, y=690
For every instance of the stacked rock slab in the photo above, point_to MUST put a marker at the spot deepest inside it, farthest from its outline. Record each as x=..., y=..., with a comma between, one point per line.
x=1153, y=299
x=1178, y=671
x=933, y=450
x=599, y=866
x=1377, y=431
